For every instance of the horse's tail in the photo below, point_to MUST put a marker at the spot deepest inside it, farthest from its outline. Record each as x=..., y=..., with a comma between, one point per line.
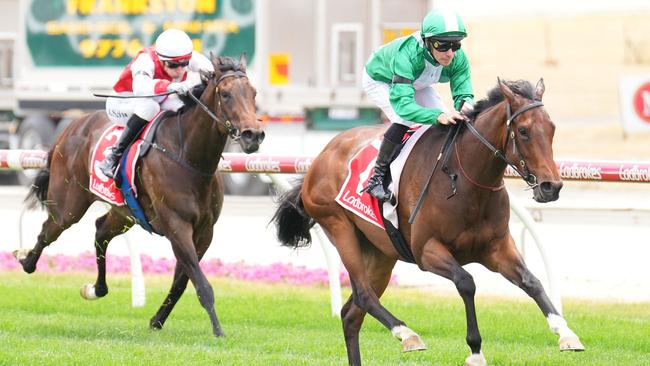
x=38, y=191
x=291, y=220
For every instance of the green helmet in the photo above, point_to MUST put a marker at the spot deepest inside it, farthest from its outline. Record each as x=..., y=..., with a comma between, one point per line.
x=443, y=25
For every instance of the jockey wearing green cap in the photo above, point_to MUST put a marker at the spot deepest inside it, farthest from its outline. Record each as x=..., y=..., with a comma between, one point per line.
x=399, y=77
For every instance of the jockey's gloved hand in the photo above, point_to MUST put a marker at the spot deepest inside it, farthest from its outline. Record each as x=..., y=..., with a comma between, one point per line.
x=466, y=108
x=179, y=88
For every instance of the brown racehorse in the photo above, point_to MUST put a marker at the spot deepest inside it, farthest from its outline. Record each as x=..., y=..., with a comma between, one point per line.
x=179, y=190
x=446, y=233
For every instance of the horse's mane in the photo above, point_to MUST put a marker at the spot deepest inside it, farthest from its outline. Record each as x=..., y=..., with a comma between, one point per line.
x=521, y=87
x=225, y=63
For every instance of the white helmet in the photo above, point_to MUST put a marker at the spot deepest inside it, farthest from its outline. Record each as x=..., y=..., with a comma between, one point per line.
x=173, y=45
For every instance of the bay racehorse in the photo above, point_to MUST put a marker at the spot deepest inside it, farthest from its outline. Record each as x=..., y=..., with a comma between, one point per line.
x=178, y=187
x=446, y=233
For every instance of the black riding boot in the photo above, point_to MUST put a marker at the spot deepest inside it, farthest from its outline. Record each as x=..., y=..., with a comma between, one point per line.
x=392, y=140
x=132, y=129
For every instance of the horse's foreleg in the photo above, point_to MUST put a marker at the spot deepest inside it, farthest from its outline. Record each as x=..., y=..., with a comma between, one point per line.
x=437, y=259
x=509, y=263
x=180, y=235
x=179, y=283
x=107, y=227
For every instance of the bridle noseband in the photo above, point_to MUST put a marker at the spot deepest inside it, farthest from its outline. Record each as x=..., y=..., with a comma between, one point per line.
x=523, y=171
x=233, y=132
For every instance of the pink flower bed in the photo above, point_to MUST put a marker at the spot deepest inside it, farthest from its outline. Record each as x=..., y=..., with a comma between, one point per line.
x=274, y=273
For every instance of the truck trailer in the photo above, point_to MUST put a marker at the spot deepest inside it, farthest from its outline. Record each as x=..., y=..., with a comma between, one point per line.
x=305, y=58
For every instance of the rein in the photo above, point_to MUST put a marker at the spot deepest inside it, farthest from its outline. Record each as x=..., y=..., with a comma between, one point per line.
x=462, y=170
x=452, y=133
x=524, y=172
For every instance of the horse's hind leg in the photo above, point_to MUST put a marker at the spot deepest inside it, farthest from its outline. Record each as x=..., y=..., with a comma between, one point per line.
x=437, y=259
x=62, y=213
x=379, y=268
x=509, y=263
x=343, y=235
x=179, y=283
x=107, y=227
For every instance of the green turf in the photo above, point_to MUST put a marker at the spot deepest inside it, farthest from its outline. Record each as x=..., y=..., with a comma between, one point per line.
x=44, y=321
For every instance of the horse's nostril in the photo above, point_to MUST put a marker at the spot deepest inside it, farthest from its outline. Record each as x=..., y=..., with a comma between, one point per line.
x=550, y=187
x=253, y=136
x=247, y=135
x=546, y=187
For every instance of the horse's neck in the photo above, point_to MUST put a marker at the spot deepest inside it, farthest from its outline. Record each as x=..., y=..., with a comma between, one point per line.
x=204, y=139
x=480, y=164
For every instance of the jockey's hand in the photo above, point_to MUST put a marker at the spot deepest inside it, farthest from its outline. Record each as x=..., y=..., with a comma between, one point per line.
x=467, y=108
x=179, y=88
x=450, y=118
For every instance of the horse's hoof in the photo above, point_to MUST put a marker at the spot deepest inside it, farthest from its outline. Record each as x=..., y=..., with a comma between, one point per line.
x=20, y=254
x=88, y=292
x=571, y=343
x=476, y=359
x=155, y=325
x=219, y=333
x=413, y=343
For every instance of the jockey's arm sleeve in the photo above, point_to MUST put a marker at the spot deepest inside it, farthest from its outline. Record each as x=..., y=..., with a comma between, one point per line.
x=199, y=62
x=142, y=70
x=461, y=81
x=402, y=92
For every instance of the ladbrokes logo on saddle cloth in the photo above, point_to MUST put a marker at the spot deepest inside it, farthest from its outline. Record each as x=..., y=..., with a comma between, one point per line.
x=359, y=172
x=103, y=186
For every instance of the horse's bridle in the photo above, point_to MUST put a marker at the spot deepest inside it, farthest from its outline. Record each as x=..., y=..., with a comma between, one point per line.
x=524, y=172
x=233, y=132
x=449, y=144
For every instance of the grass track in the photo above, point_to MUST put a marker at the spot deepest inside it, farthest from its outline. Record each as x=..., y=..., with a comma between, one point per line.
x=44, y=321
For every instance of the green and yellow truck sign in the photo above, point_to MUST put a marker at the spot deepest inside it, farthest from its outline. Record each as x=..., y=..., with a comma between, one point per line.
x=90, y=33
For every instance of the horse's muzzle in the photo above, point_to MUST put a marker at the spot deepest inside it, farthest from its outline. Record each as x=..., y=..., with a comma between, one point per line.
x=547, y=191
x=250, y=140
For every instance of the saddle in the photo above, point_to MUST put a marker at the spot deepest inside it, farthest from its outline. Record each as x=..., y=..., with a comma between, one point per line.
x=122, y=190
x=367, y=207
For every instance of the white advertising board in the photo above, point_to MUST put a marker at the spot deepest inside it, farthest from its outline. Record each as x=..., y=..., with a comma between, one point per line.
x=635, y=103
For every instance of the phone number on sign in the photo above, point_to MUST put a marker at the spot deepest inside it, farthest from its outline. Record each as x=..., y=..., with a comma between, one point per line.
x=114, y=48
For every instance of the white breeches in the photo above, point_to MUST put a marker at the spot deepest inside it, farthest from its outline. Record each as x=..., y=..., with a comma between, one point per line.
x=119, y=110
x=379, y=93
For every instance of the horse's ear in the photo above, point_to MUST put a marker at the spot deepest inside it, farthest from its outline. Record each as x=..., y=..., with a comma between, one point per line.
x=242, y=61
x=506, y=91
x=215, y=61
x=539, y=89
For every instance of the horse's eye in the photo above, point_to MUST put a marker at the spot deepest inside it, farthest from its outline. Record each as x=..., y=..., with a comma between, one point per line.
x=523, y=132
x=225, y=95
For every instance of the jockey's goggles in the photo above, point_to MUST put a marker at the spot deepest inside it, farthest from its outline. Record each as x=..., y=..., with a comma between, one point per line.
x=444, y=46
x=176, y=64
